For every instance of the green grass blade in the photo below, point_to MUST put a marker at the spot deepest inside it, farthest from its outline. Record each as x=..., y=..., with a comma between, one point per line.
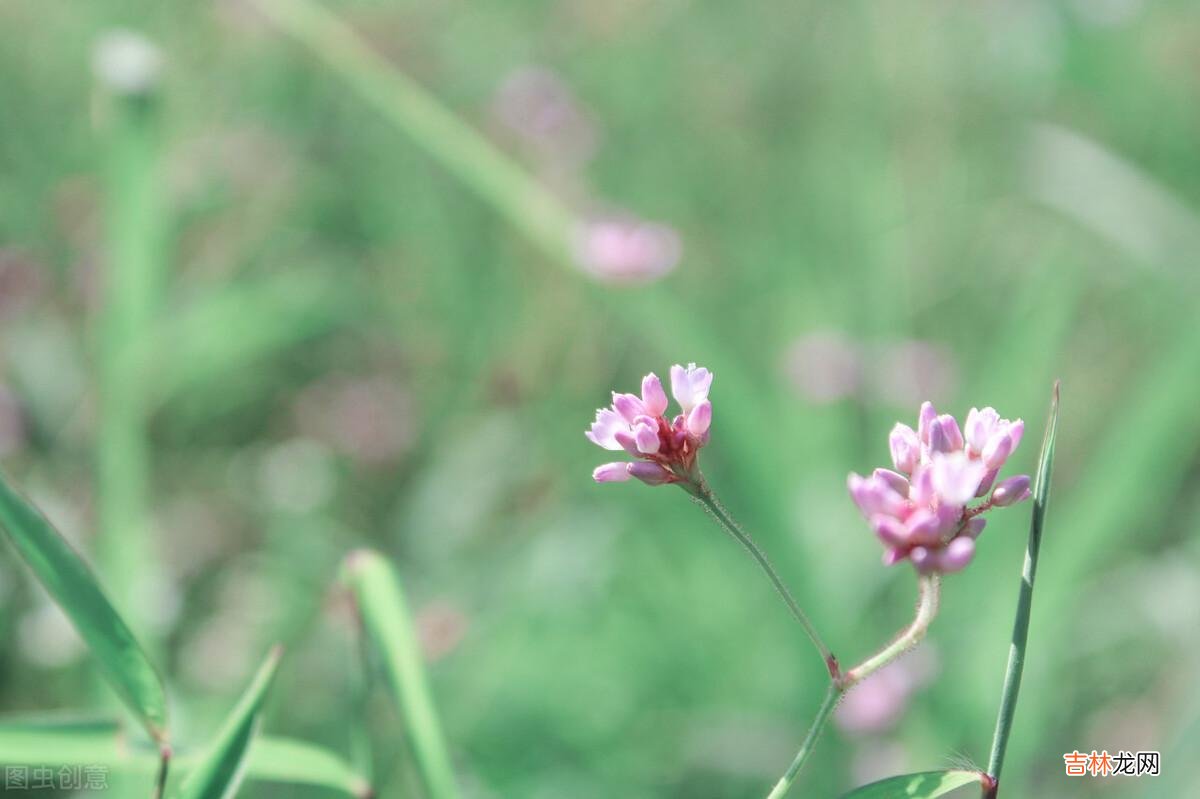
x=925, y=785
x=1020, y=634
x=69, y=580
x=56, y=741
x=387, y=623
x=290, y=761
x=221, y=770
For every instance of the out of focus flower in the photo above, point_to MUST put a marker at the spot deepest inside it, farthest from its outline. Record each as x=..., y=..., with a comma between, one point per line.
x=127, y=62
x=825, y=366
x=624, y=249
x=20, y=281
x=666, y=450
x=922, y=510
x=440, y=628
x=536, y=105
x=906, y=371
x=369, y=420
x=875, y=705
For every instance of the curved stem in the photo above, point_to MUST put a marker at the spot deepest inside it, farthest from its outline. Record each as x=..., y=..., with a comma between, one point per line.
x=810, y=740
x=927, y=607
x=708, y=500
x=929, y=587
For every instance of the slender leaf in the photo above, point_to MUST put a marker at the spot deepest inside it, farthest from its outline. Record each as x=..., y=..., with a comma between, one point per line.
x=1020, y=633
x=925, y=785
x=388, y=626
x=56, y=741
x=221, y=770
x=71, y=583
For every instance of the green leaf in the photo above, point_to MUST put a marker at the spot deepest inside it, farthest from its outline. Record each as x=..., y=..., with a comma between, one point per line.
x=58, y=741
x=1020, y=634
x=925, y=785
x=71, y=583
x=221, y=770
x=387, y=623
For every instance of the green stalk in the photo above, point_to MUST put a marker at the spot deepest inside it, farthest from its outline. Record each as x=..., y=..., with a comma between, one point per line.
x=705, y=497
x=136, y=247
x=1020, y=634
x=495, y=177
x=929, y=592
x=810, y=741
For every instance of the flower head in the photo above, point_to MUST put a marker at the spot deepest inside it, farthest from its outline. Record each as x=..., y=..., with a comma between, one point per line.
x=922, y=511
x=621, y=248
x=665, y=450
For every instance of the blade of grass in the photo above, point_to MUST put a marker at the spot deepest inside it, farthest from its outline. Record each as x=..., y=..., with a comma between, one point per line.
x=1020, y=634
x=385, y=618
x=221, y=770
x=924, y=785
x=56, y=742
x=71, y=583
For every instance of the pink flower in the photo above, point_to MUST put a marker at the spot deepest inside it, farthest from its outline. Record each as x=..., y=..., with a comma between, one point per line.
x=625, y=249
x=921, y=511
x=665, y=450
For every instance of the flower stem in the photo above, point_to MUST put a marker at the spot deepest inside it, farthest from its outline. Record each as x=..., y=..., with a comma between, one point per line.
x=708, y=500
x=927, y=607
x=929, y=588
x=810, y=740
x=1020, y=634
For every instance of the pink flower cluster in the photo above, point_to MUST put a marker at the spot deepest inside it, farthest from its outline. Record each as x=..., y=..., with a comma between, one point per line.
x=921, y=511
x=665, y=450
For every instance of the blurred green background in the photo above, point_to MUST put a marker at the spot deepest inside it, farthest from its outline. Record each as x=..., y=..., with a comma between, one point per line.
x=879, y=203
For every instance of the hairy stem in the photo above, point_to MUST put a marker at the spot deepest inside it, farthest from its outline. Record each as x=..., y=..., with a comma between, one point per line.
x=927, y=606
x=929, y=592
x=708, y=500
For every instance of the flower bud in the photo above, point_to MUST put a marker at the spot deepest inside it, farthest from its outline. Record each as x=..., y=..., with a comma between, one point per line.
x=653, y=397
x=645, y=435
x=700, y=418
x=925, y=421
x=629, y=406
x=616, y=472
x=1011, y=491
x=650, y=473
x=957, y=554
x=905, y=447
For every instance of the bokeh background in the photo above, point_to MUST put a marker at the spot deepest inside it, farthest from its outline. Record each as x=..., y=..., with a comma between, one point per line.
x=341, y=343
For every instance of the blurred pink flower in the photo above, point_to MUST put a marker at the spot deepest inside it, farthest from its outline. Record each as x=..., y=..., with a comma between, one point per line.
x=908, y=371
x=625, y=249
x=666, y=450
x=20, y=281
x=537, y=106
x=920, y=511
x=441, y=627
x=369, y=419
x=825, y=366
